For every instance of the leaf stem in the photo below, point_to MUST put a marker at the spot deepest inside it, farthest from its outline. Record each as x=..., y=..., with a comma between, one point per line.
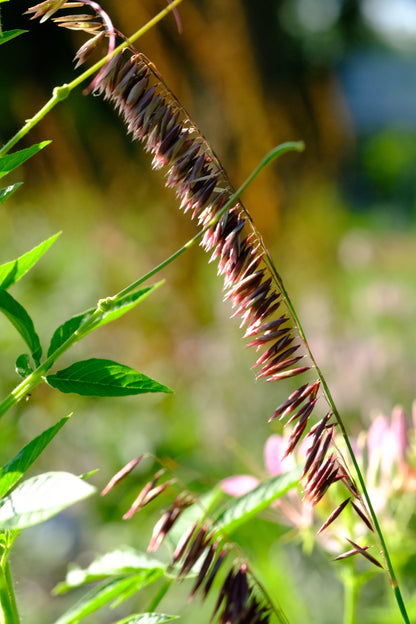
x=8, y=606
x=39, y=374
x=297, y=146
x=60, y=93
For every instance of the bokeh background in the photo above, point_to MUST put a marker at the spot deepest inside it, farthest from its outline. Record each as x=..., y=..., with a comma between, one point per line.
x=339, y=220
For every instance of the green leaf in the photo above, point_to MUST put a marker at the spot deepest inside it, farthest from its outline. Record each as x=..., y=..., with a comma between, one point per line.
x=195, y=513
x=23, y=366
x=8, y=190
x=101, y=595
x=11, y=472
x=18, y=316
x=98, y=377
x=113, y=564
x=68, y=329
x=11, y=161
x=12, y=271
x=116, y=308
x=41, y=497
x=147, y=618
x=245, y=507
x=6, y=35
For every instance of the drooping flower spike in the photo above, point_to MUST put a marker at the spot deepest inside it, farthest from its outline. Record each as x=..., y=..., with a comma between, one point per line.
x=155, y=117
x=252, y=285
x=97, y=25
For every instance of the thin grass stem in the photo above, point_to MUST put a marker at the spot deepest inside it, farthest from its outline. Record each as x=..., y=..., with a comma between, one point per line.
x=297, y=146
x=61, y=92
x=39, y=374
x=330, y=400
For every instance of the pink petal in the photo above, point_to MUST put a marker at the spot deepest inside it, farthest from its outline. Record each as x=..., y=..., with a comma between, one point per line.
x=239, y=485
x=399, y=430
x=274, y=449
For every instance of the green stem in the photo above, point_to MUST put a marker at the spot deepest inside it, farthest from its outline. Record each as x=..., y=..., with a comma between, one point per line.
x=9, y=613
x=62, y=92
x=330, y=400
x=159, y=596
x=38, y=375
x=351, y=588
x=297, y=146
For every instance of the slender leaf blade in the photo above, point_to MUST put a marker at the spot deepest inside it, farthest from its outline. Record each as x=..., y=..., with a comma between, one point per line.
x=21, y=320
x=117, y=309
x=8, y=162
x=11, y=472
x=148, y=618
x=12, y=271
x=100, y=377
x=113, y=564
x=124, y=304
x=8, y=190
x=7, y=35
x=100, y=596
x=41, y=497
x=245, y=507
x=68, y=329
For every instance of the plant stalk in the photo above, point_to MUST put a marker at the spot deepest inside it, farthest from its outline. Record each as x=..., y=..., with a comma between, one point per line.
x=39, y=374
x=330, y=400
x=62, y=92
x=8, y=607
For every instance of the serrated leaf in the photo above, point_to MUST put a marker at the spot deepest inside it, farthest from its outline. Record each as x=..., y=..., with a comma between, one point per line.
x=118, y=308
x=23, y=366
x=101, y=595
x=6, y=35
x=8, y=190
x=148, y=618
x=11, y=472
x=245, y=507
x=113, y=564
x=40, y=498
x=11, y=161
x=21, y=320
x=12, y=271
x=99, y=377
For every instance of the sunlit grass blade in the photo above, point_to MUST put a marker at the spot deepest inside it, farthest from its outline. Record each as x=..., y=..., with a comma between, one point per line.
x=11, y=472
x=21, y=320
x=41, y=497
x=112, y=309
x=147, y=618
x=245, y=507
x=113, y=564
x=7, y=35
x=12, y=271
x=9, y=162
x=103, y=594
x=100, y=377
x=196, y=512
x=8, y=190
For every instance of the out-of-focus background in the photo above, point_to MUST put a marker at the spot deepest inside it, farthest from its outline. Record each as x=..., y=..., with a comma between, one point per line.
x=339, y=220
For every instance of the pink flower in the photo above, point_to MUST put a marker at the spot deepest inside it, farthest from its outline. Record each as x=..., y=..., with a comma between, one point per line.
x=292, y=508
x=388, y=447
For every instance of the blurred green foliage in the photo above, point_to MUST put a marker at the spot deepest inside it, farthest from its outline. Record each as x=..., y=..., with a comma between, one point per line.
x=339, y=221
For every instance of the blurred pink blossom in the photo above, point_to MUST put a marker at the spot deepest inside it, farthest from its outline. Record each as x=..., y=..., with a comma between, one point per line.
x=298, y=512
x=388, y=448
